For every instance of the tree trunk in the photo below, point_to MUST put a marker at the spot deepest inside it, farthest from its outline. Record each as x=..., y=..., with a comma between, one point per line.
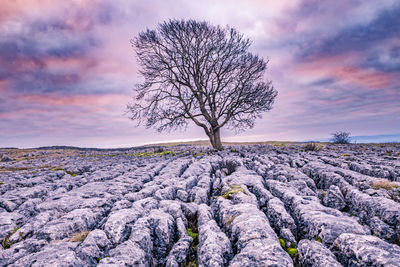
x=215, y=139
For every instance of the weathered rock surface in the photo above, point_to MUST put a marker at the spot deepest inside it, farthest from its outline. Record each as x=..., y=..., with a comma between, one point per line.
x=333, y=198
x=5, y=158
x=362, y=250
x=313, y=253
x=258, y=205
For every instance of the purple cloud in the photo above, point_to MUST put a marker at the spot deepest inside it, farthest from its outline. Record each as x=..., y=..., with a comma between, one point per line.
x=67, y=69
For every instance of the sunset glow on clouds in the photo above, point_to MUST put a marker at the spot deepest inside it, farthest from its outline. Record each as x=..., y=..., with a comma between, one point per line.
x=67, y=68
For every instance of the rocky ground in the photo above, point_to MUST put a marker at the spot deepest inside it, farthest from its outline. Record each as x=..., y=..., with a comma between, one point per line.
x=259, y=205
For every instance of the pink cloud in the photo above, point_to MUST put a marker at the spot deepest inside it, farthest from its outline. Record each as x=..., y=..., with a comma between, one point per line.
x=14, y=8
x=70, y=63
x=365, y=77
x=76, y=100
x=23, y=112
x=3, y=85
x=339, y=67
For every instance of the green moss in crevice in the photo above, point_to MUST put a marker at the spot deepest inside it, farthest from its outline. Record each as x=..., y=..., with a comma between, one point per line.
x=6, y=242
x=234, y=189
x=282, y=242
x=193, y=235
x=192, y=263
x=99, y=259
x=72, y=173
x=292, y=252
x=192, y=259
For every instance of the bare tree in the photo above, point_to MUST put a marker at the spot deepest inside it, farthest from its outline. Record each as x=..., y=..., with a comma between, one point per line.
x=341, y=137
x=196, y=71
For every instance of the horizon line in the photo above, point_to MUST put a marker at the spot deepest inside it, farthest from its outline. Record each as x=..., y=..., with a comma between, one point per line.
x=189, y=141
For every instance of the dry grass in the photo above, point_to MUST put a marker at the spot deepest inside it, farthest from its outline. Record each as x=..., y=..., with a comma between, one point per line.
x=384, y=184
x=80, y=236
x=313, y=147
x=229, y=220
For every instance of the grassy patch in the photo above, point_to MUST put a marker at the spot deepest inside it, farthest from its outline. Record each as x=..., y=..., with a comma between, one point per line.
x=384, y=184
x=193, y=235
x=280, y=144
x=53, y=169
x=312, y=147
x=234, y=189
x=6, y=242
x=154, y=153
x=13, y=169
x=80, y=236
x=57, y=169
x=195, y=155
x=192, y=259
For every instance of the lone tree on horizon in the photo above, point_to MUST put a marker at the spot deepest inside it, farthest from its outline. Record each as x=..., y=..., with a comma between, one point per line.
x=196, y=71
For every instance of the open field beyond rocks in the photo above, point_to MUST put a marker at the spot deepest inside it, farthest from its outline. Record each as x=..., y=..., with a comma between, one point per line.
x=250, y=205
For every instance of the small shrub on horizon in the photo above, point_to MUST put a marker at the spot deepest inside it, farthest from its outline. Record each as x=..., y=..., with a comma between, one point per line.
x=341, y=137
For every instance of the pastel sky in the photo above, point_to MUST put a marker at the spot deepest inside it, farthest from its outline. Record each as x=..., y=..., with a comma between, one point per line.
x=67, y=68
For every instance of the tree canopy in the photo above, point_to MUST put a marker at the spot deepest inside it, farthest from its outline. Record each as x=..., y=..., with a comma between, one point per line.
x=194, y=71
